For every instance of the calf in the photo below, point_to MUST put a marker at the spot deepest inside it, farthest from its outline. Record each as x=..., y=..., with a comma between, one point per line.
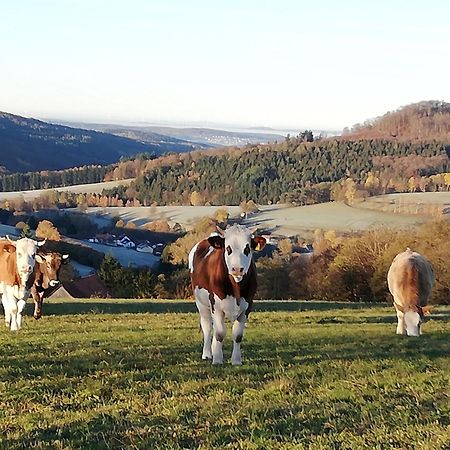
x=410, y=280
x=223, y=276
x=45, y=277
x=17, y=261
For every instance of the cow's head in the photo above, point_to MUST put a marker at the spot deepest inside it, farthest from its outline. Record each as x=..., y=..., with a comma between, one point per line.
x=25, y=257
x=238, y=243
x=49, y=265
x=413, y=319
x=413, y=322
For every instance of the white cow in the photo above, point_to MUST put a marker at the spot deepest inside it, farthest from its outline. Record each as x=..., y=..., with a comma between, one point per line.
x=410, y=280
x=17, y=262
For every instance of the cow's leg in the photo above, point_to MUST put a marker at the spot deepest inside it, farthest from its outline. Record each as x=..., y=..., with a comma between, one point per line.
x=38, y=306
x=238, y=334
x=206, y=324
x=400, y=323
x=7, y=311
x=20, y=307
x=13, y=310
x=219, y=332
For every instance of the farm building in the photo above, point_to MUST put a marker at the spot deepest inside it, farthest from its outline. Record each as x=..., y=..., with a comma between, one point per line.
x=85, y=287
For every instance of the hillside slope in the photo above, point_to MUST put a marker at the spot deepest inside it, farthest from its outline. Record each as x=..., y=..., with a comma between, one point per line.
x=427, y=120
x=195, y=138
x=31, y=145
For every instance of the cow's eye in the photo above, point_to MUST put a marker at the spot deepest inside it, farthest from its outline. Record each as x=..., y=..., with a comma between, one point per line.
x=229, y=250
x=247, y=250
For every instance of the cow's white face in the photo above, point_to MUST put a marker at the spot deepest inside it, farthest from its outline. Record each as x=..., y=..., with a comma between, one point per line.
x=238, y=243
x=238, y=251
x=25, y=257
x=412, y=321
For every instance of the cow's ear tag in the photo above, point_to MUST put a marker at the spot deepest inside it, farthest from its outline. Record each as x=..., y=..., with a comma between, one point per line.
x=258, y=243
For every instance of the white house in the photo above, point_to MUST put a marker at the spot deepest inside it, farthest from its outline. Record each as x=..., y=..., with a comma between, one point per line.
x=125, y=241
x=144, y=247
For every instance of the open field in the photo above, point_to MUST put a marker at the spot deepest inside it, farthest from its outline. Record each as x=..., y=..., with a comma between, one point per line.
x=127, y=374
x=92, y=188
x=329, y=216
x=426, y=203
x=279, y=218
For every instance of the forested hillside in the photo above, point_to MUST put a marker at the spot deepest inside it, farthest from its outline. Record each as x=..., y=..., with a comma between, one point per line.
x=428, y=120
x=28, y=145
x=53, y=178
x=293, y=171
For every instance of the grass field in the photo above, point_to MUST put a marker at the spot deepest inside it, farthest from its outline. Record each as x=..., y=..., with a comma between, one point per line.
x=282, y=219
x=415, y=203
x=128, y=374
x=92, y=188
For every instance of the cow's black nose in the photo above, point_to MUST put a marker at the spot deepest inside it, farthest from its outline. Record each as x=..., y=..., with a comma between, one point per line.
x=238, y=269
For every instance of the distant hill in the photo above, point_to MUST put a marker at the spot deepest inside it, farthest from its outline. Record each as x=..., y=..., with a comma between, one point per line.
x=423, y=121
x=199, y=138
x=28, y=145
x=217, y=137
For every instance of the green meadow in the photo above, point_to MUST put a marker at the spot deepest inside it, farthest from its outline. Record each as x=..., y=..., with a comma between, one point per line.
x=126, y=374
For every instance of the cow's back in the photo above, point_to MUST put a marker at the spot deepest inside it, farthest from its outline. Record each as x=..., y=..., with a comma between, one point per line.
x=410, y=280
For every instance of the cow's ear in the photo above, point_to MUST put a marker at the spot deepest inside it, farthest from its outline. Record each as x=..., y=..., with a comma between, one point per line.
x=216, y=241
x=427, y=310
x=258, y=243
x=39, y=259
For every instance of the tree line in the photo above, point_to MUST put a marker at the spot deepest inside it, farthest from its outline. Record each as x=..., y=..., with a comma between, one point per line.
x=53, y=178
x=293, y=171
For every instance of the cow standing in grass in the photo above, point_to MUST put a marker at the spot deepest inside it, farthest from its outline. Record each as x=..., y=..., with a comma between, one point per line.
x=410, y=280
x=17, y=262
x=45, y=277
x=223, y=276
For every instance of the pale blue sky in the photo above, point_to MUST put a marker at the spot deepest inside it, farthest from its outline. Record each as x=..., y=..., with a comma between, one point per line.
x=280, y=63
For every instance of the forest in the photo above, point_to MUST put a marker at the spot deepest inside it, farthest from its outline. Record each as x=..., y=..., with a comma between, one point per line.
x=292, y=171
x=53, y=178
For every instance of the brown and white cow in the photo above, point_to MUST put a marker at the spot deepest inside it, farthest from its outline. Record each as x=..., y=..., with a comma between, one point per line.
x=223, y=276
x=45, y=277
x=17, y=261
x=410, y=280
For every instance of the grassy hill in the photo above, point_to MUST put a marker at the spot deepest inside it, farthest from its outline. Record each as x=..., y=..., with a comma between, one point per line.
x=280, y=219
x=128, y=374
x=90, y=188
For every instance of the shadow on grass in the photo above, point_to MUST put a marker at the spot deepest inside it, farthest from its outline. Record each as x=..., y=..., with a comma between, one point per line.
x=188, y=306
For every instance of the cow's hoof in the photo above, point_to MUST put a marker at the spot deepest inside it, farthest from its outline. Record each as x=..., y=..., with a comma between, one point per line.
x=217, y=362
x=206, y=358
x=236, y=363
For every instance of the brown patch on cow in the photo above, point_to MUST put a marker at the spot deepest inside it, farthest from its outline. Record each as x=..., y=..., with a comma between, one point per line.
x=8, y=264
x=210, y=272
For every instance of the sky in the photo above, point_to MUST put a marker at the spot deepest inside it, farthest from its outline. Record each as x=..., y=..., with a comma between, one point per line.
x=276, y=63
